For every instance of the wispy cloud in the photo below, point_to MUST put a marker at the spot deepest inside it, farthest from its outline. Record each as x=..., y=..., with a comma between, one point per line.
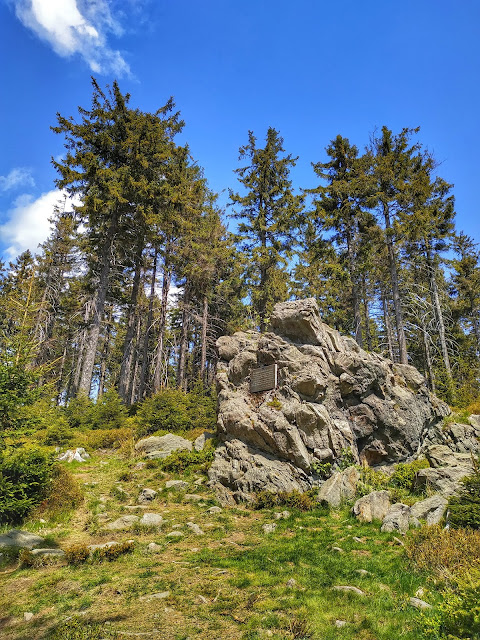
x=28, y=222
x=18, y=177
x=76, y=27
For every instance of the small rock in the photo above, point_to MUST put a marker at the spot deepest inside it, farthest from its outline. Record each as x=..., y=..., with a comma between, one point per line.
x=349, y=589
x=357, y=539
x=161, y=595
x=48, y=552
x=292, y=583
x=397, y=518
x=202, y=439
x=151, y=520
x=201, y=599
x=362, y=572
x=139, y=466
x=199, y=481
x=146, y=495
x=176, y=484
x=337, y=550
x=419, y=604
x=175, y=534
x=214, y=510
x=27, y=616
x=419, y=593
x=398, y=541
x=21, y=539
x=373, y=506
x=77, y=455
x=269, y=527
x=123, y=523
x=340, y=623
x=195, y=529
x=282, y=516
x=153, y=547
x=192, y=497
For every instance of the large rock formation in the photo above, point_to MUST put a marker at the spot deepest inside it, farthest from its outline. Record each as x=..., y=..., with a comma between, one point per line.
x=331, y=396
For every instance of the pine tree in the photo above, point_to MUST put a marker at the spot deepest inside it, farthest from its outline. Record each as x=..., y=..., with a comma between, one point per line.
x=268, y=212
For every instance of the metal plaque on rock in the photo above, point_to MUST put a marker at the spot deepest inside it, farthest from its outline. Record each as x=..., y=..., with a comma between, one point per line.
x=263, y=379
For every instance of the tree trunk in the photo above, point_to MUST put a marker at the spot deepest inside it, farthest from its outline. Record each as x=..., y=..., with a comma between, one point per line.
x=204, y=331
x=392, y=263
x=183, y=346
x=438, y=312
x=388, y=328
x=93, y=335
x=357, y=316
x=128, y=345
x=146, y=337
x=105, y=352
x=428, y=358
x=167, y=277
x=132, y=394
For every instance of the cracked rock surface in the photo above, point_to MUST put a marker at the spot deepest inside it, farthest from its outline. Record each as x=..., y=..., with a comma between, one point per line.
x=331, y=396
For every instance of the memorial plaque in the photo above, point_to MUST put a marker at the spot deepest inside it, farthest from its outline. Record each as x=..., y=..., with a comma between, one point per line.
x=263, y=379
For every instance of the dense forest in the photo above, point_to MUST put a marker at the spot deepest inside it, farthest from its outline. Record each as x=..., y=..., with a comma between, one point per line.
x=139, y=278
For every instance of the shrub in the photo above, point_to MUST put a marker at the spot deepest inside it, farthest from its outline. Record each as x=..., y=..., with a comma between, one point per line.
x=25, y=480
x=322, y=469
x=64, y=493
x=81, y=629
x=173, y=410
x=404, y=475
x=79, y=412
x=180, y=461
x=113, y=552
x=109, y=412
x=106, y=438
x=77, y=554
x=293, y=499
x=458, y=615
x=443, y=550
x=347, y=459
x=371, y=480
x=464, y=509
x=45, y=415
x=17, y=389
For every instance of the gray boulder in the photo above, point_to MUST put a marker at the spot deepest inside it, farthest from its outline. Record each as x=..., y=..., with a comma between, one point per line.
x=374, y=506
x=340, y=487
x=430, y=510
x=446, y=481
x=123, y=523
x=200, y=442
x=146, y=495
x=151, y=520
x=161, y=446
x=397, y=518
x=20, y=539
x=71, y=455
x=331, y=396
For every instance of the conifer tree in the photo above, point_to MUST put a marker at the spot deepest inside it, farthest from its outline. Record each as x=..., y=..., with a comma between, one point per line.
x=268, y=212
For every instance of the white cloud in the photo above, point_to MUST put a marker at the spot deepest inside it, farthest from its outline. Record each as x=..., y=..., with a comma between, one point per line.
x=19, y=177
x=76, y=26
x=28, y=222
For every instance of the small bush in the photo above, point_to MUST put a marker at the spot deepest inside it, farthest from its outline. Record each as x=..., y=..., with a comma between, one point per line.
x=106, y=438
x=81, y=629
x=458, y=615
x=109, y=412
x=174, y=410
x=322, y=469
x=77, y=554
x=293, y=499
x=442, y=550
x=404, y=475
x=26, y=559
x=274, y=404
x=113, y=552
x=25, y=480
x=64, y=493
x=79, y=412
x=371, y=480
x=464, y=509
x=347, y=459
x=180, y=461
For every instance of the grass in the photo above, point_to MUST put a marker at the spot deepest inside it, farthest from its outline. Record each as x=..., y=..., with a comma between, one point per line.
x=233, y=582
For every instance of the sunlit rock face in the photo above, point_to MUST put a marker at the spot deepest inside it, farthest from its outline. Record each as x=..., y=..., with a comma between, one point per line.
x=331, y=396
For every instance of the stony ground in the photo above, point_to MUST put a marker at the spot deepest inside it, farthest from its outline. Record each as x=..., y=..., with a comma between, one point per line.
x=229, y=573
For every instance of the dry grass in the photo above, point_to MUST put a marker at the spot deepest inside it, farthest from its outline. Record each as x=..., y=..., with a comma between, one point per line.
x=444, y=551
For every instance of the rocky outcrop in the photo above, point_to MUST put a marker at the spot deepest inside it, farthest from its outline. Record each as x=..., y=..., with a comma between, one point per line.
x=340, y=487
x=373, y=506
x=331, y=396
x=162, y=446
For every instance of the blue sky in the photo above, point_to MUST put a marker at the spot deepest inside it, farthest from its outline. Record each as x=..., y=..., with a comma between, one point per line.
x=311, y=69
